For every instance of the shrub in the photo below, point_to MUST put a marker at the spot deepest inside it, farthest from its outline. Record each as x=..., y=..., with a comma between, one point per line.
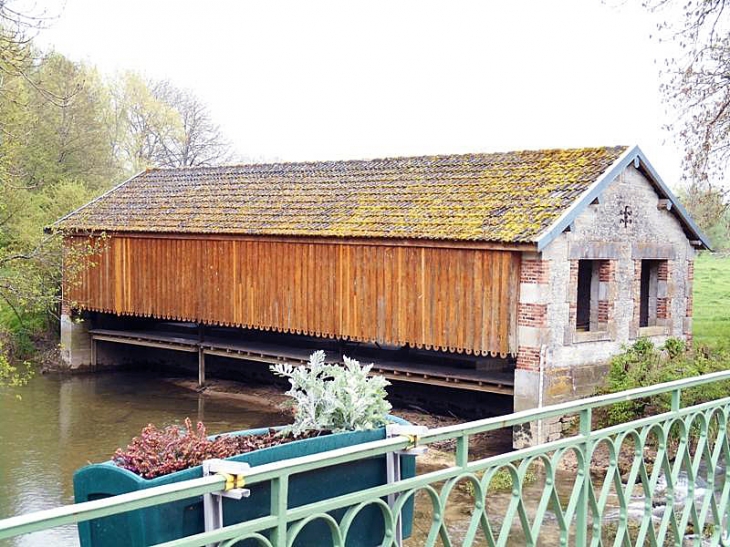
x=328, y=398
x=502, y=479
x=335, y=397
x=156, y=452
x=643, y=364
x=675, y=347
x=12, y=372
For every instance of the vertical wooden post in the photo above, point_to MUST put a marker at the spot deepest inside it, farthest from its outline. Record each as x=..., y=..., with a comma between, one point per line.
x=201, y=366
x=201, y=356
x=93, y=353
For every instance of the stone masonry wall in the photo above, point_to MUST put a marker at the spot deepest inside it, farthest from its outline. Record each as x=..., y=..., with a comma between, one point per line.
x=555, y=361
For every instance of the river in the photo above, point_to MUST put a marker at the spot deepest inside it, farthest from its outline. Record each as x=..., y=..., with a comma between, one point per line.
x=62, y=423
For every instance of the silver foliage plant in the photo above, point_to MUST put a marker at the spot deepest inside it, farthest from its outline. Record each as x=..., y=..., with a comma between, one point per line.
x=335, y=397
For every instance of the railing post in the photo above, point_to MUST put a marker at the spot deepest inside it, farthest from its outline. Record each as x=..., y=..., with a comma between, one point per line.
x=462, y=450
x=279, y=504
x=676, y=399
x=581, y=520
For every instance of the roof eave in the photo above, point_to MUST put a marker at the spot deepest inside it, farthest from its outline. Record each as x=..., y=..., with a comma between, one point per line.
x=517, y=246
x=631, y=155
x=681, y=212
x=52, y=228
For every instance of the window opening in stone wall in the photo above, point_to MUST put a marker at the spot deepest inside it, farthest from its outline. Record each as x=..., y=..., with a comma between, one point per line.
x=592, y=306
x=648, y=295
x=583, y=312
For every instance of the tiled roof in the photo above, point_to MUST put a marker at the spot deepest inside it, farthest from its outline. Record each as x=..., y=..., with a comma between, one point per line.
x=509, y=197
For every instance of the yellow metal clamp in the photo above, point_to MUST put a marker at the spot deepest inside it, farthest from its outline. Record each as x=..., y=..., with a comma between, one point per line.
x=411, y=432
x=412, y=440
x=233, y=481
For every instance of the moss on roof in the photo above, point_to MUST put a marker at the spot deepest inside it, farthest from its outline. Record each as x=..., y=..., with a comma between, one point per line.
x=509, y=197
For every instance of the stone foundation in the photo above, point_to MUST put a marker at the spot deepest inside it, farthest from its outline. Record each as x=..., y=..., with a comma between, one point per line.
x=75, y=342
x=559, y=385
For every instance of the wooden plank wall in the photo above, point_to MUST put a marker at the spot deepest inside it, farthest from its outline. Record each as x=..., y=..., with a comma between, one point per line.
x=458, y=300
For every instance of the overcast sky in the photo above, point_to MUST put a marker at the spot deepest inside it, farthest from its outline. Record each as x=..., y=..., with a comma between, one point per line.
x=357, y=79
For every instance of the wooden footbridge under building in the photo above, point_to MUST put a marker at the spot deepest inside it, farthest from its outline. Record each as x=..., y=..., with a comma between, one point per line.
x=497, y=380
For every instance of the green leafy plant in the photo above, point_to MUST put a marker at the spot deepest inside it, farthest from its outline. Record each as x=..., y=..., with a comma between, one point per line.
x=13, y=374
x=644, y=364
x=335, y=397
x=156, y=452
x=328, y=398
x=675, y=347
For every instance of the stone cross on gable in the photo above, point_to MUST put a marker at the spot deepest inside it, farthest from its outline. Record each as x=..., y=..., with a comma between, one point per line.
x=626, y=216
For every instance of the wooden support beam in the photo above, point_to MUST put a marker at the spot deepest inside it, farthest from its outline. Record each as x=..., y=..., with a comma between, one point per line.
x=359, y=241
x=144, y=343
x=201, y=366
x=474, y=380
x=664, y=204
x=489, y=388
x=93, y=353
x=201, y=408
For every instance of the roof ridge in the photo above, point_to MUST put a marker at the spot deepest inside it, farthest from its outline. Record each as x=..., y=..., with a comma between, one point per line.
x=382, y=159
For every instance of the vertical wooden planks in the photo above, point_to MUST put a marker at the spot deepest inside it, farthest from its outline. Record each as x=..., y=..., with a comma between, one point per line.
x=465, y=335
x=458, y=299
x=514, y=290
x=478, y=303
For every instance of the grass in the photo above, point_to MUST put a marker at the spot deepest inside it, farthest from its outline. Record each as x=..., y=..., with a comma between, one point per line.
x=711, y=322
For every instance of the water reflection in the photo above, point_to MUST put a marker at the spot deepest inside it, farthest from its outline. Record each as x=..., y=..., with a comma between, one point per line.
x=60, y=424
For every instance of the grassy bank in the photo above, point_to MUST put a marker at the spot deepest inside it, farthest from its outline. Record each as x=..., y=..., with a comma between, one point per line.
x=643, y=364
x=712, y=300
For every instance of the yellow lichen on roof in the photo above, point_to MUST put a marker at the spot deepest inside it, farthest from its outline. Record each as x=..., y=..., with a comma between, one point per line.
x=508, y=197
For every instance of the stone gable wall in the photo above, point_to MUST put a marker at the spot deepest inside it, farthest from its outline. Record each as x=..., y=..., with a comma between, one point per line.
x=625, y=227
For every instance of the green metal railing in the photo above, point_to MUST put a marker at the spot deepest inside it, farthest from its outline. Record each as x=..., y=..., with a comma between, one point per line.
x=662, y=482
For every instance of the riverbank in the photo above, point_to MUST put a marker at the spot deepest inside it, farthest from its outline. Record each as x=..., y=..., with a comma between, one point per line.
x=272, y=397
x=439, y=454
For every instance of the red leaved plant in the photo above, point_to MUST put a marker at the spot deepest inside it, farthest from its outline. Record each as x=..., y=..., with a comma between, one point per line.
x=156, y=452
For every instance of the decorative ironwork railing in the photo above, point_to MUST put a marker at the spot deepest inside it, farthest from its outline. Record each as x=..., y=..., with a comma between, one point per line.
x=659, y=480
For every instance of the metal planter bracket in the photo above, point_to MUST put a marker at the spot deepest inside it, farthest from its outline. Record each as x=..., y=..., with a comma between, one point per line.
x=235, y=474
x=413, y=433
x=392, y=460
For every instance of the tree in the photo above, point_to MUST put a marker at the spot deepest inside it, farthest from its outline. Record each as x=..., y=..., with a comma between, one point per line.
x=14, y=61
x=698, y=83
x=697, y=86
x=14, y=39
x=56, y=156
x=64, y=138
x=53, y=157
x=17, y=30
x=143, y=123
x=164, y=126
x=66, y=135
x=709, y=208
x=200, y=141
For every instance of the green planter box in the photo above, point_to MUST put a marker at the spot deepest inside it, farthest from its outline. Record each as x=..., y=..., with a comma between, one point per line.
x=183, y=518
